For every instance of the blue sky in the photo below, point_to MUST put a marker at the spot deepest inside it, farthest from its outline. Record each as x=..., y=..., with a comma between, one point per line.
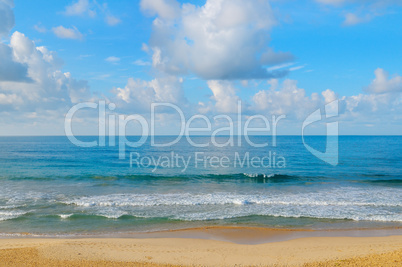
x=352, y=48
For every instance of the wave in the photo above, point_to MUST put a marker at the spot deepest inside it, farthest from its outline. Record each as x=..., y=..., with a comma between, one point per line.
x=354, y=203
x=112, y=215
x=187, y=199
x=8, y=215
x=105, y=214
x=139, y=177
x=273, y=178
x=65, y=216
x=235, y=176
x=384, y=182
x=11, y=206
x=215, y=216
x=193, y=217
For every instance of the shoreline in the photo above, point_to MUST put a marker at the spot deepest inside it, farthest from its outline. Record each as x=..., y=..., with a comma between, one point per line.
x=249, y=235
x=262, y=235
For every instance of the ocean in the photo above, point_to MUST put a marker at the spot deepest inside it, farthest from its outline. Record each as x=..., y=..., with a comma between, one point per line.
x=51, y=187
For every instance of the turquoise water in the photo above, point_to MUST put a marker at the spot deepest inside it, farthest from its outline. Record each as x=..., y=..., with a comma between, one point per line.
x=50, y=186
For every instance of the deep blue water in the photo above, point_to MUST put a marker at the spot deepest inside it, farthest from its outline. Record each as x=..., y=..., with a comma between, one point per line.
x=48, y=185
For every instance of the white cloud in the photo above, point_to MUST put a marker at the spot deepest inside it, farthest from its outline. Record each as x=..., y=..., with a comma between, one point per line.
x=10, y=99
x=352, y=19
x=67, y=33
x=297, y=67
x=49, y=88
x=80, y=8
x=281, y=66
x=166, y=9
x=381, y=84
x=374, y=109
x=90, y=9
x=34, y=92
x=40, y=28
x=112, y=59
x=286, y=100
x=140, y=62
x=200, y=40
x=145, y=47
x=224, y=39
x=6, y=17
x=384, y=98
x=224, y=95
x=9, y=69
x=112, y=20
x=139, y=94
x=280, y=99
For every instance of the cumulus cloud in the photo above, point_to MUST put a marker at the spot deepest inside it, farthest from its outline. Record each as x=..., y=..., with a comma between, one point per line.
x=384, y=98
x=288, y=100
x=67, y=33
x=281, y=98
x=284, y=98
x=382, y=84
x=364, y=105
x=9, y=69
x=6, y=17
x=80, y=8
x=224, y=39
x=139, y=94
x=224, y=96
x=49, y=88
x=166, y=9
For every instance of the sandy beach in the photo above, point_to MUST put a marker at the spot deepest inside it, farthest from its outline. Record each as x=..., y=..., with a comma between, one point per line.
x=151, y=251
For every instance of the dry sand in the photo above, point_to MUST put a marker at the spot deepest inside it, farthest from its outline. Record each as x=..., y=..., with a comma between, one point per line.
x=311, y=251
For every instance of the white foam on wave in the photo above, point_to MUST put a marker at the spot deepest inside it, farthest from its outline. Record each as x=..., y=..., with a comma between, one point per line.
x=65, y=216
x=8, y=215
x=187, y=199
x=12, y=206
x=254, y=175
x=111, y=214
x=338, y=203
x=21, y=199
